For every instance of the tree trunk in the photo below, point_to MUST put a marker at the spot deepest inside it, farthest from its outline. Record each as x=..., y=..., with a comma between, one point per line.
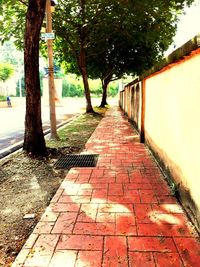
x=34, y=142
x=83, y=70
x=104, y=95
x=105, y=83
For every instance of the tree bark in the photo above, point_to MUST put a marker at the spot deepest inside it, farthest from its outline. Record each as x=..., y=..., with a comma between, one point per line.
x=104, y=95
x=82, y=56
x=83, y=70
x=105, y=83
x=34, y=142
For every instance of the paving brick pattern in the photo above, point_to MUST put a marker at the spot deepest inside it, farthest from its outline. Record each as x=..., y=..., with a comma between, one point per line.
x=118, y=214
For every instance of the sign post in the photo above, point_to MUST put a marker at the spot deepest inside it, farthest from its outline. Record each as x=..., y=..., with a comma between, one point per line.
x=48, y=36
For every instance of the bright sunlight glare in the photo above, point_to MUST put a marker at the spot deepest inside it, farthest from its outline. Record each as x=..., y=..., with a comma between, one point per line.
x=188, y=26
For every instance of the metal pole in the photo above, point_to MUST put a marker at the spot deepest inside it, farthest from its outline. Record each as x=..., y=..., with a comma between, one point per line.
x=51, y=73
x=19, y=75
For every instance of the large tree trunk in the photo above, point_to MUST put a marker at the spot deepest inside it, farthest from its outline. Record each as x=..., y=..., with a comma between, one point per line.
x=83, y=70
x=34, y=142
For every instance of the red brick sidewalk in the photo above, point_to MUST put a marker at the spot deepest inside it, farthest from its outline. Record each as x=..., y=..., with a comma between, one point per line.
x=120, y=213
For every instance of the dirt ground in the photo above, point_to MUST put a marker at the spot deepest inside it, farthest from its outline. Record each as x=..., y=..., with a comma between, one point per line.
x=27, y=185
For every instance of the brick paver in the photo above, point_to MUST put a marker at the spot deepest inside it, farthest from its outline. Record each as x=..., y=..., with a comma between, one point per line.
x=118, y=214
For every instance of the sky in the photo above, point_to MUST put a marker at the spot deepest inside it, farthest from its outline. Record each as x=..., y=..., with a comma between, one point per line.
x=188, y=27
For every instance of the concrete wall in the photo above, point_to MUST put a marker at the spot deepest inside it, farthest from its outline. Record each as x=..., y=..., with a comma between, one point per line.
x=170, y=101
x=131, y=102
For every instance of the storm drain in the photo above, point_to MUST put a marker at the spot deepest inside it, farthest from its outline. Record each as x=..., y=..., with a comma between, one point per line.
x=69, y=161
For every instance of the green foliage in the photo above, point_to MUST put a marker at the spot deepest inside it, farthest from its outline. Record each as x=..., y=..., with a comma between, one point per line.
x=9, y=53
x=71, y=90
x=96, y=15
x=97, y=91
x=70, y=135
x=72, y=87
x=118, y=36
x=6, y=71
x=113, y=89
x=12, y=24
x=96, y=88
x=135, y=37
x=2, y=98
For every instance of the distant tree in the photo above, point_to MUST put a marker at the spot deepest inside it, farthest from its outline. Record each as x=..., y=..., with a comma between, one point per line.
x=70, y=90
x=9, y=53
x=113, y=90
x=6, y=71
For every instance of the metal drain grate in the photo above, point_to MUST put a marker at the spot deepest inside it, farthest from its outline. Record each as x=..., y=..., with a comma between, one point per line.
x=69, y=161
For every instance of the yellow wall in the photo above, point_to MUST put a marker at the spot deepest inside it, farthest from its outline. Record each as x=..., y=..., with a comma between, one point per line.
x=172, y=121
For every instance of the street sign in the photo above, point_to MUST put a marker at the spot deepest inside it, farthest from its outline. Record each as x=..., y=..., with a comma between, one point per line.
x=47, y=35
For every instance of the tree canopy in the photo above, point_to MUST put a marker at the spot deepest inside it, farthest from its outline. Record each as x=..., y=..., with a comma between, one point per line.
x=107, y=39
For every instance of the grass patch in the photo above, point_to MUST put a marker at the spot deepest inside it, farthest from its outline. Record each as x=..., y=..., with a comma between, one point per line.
x=2, y=98
x=76, y=133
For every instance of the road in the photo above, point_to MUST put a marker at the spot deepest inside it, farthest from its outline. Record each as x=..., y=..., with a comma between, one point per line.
x=12, y=119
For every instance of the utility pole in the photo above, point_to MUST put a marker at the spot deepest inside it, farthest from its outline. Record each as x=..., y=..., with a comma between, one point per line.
x=54, y=134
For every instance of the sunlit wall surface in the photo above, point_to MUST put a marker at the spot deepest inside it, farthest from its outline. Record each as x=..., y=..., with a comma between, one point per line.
x=172, y=121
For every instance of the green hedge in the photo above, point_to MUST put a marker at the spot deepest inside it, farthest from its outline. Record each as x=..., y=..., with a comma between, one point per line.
x=2, y=98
